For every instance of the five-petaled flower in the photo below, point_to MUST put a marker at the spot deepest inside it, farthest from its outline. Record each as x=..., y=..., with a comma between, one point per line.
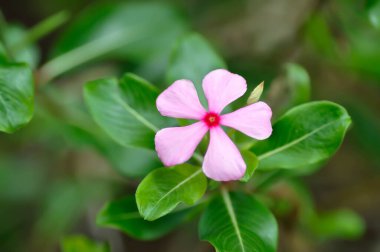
x=223, y=161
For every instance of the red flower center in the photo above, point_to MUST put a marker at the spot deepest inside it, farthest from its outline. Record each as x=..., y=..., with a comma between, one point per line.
x=211, y=119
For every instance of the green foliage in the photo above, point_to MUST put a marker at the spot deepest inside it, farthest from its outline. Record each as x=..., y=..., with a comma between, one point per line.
x=27, y=175
x=40, y=30
x=79, y=243
x=163, y=189
x=185, y=64
x=65, y=203
x=127, y=161
x=291, y=88
x=338, y=224
x=137, y=31
x=125, y=109
x=154, y=40
x=319, y=35
x=13, y=36
x=3, y=55
x=374, y=14
x=299, y=81
x=150, y=35
x=304, y=137
x=123, y=215
x=333, y=224
x=16, y=96
x=238, y=222
x=252, y=163
x=366, y=130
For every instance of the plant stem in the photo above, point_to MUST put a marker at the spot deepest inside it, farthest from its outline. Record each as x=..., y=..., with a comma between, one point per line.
x=41, y=29
x=83, y=54
x=231, y=213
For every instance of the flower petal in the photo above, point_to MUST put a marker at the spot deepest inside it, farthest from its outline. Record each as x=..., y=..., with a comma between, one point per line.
x=176, y=145
x=180, y=100
x=221, y=88
x=223, y=161
x=252, y=120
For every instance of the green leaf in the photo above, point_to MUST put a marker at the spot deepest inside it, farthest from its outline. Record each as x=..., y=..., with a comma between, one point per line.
x=123, y=215
x=80, y=243
x=252, y=162
x=15, y=172
x=319, y=35
x=125, y=109
x=65, y=202
x=238, y=222
x=299, y=81
x=14, y=34
x=305, y=136
x=16, y=96
x=337, y=224
x=3, y=54
x=192, y=59
x=128, y=31
x=256, y=94
x=163, y=189
x=72, y=125
x=374, y=15
x=291, y=88
x=366, y=131
x=129, y=162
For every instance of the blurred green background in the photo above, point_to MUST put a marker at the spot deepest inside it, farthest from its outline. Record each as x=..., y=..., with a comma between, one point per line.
x=57, y=172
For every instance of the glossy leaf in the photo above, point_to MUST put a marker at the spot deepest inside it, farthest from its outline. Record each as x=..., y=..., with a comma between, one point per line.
x=16, y=96
x=163, y=189
x=305, y=136
x=80, y=243
x=192, y=59
x=252, y=162
x=123, y=215
x=125, y=109
x=238, y=222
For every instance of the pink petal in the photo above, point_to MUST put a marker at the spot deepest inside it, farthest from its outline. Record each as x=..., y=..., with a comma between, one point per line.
x=221, y=88
x=252, y=120
x=223, y=161
x=180, y=100
x=176, y=145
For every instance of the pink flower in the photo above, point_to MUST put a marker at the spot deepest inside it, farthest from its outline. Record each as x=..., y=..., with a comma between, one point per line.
x=223, y=161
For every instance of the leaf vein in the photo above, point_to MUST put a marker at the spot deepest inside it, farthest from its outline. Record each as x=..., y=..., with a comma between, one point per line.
x=231, y=213
x=296, y=141
x=170, y=191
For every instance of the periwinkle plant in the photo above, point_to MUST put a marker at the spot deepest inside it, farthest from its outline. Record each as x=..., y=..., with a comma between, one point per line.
x=234, y=216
